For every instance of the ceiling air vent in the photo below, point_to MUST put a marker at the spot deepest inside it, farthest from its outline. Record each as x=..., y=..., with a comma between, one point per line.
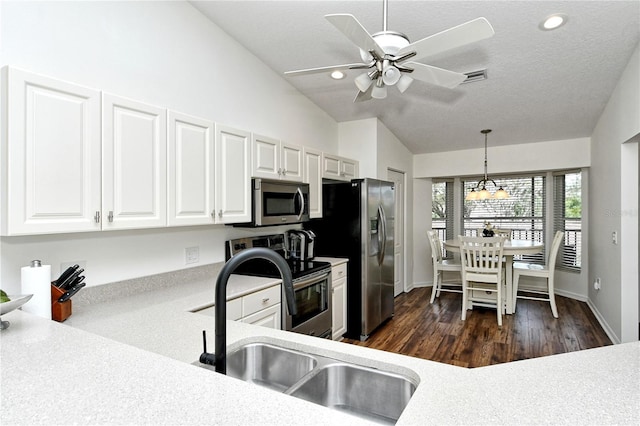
x=475, y=76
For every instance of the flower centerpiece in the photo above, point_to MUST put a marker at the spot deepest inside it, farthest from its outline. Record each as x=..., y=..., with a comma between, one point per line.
x=488, y=230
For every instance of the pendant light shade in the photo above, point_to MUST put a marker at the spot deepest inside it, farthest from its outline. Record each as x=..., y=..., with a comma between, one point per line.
x=480, y=192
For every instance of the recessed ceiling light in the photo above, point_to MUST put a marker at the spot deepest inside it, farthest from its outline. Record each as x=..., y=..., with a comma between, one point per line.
x=337, y=75
x=554, y=21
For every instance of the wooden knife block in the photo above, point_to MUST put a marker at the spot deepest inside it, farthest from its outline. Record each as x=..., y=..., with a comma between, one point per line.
x=59, y=311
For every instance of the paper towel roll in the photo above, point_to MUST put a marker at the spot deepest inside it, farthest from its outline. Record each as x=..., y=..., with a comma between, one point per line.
x=36, y=280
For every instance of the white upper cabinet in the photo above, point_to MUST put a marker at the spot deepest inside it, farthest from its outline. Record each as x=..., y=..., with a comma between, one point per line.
x=339, y=168
x=50, y=155
x=233, y=175
x=273, y=159
x=291, y=161
x=312, y=166
x=134, y=159
x=190, y=170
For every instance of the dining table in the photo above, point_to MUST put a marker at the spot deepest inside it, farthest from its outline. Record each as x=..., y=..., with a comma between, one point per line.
x=511, y=248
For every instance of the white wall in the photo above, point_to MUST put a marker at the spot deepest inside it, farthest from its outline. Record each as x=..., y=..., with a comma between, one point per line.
x=538, y=156
x=619, y=123
x=358, y=140
x=163, y=53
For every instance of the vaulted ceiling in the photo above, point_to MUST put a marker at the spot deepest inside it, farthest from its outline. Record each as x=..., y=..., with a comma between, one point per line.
x=542, y=85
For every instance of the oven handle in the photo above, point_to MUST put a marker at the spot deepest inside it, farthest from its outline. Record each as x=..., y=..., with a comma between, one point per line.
x=299, y=193
x=297, y=285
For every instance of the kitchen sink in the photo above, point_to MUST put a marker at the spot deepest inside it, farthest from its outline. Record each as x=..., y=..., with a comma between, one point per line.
x=365, y=392
x=270, y=366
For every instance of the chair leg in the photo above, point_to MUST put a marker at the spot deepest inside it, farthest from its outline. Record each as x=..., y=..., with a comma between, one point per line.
x=499, y=304
x=552, y=297
x=516, y=278
x=436, y=285
x=464, y=300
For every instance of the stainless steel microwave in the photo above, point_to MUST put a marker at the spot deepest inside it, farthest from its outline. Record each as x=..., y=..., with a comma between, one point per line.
x=278, y=203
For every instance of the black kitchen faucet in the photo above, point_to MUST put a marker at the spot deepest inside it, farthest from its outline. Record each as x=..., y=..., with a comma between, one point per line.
x=219, y=358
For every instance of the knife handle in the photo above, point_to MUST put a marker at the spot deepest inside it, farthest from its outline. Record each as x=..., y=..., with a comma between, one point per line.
x=65, y=275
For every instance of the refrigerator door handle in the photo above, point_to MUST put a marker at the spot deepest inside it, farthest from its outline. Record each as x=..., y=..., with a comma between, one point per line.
x=382, y=236
x=299, y=192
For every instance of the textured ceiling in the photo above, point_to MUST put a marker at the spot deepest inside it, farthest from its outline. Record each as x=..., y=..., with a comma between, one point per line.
x=542, y=85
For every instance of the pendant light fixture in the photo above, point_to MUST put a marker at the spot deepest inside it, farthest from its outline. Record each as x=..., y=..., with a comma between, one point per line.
x=480, y=192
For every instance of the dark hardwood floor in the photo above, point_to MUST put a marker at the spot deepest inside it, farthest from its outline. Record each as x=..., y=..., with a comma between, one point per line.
x=436, y=332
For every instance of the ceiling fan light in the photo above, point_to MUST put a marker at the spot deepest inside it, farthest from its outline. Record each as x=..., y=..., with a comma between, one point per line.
x=391, y=75
x=404, y=82
x=379, y=92
x=363, y=82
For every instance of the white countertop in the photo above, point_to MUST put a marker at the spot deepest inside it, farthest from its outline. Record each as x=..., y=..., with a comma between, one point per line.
x=129, y=362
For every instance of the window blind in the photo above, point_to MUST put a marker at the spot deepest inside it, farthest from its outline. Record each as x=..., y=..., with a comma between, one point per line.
x=523, y=212
x=567, y=217
x=442, y=211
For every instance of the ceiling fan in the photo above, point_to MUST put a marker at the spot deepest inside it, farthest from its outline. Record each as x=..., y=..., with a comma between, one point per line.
x=386, y=55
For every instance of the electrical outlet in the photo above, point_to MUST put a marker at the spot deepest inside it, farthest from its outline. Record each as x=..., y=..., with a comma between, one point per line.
x=191, y=255
x=614, y=237
x=597, y=284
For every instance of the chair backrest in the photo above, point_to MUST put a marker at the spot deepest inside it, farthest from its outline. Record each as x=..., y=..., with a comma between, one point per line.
x=436, y=247
x=481, y=256
x=555, y=247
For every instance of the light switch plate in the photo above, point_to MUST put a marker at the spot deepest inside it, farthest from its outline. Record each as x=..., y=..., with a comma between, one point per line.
x=191, y=255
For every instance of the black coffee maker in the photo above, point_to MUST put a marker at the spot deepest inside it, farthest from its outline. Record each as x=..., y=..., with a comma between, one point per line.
x=300, y=244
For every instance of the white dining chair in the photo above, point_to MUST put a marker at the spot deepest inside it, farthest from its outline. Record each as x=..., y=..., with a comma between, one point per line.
x=440, y=266
x=539, y=271
x=482, y=274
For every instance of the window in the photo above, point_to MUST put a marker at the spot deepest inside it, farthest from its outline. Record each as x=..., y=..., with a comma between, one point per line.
x=442, y=210
x=567, y=217
x=523, y=212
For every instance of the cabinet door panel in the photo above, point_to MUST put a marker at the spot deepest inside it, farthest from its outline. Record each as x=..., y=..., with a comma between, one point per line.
x=190, y=170
x=51, y=155
x=269, y=317
x=134, y=164
x=291, y=156
x=313, y=176
x=233, y=175
x=266, y=157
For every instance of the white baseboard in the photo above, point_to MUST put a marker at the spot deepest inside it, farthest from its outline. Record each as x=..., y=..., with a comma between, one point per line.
x=603, y=323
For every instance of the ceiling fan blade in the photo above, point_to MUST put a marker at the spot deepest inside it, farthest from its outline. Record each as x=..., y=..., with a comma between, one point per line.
x=354, y=31
x=469, y=32
x=434, y=75
x=363, y=96
x=329, y=68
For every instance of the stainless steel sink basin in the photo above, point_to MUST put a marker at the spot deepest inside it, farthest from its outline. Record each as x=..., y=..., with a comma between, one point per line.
x=270, y=366
x=372, y=394
x=368, y=393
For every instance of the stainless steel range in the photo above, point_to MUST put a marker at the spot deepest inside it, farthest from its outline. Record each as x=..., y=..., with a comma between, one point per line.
x=311, y=282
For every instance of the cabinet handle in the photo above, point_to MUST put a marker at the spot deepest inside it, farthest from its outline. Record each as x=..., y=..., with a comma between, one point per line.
x=110, y=217
x=265, y=300
x=220, y=213
x=279, y=171
x=284, y=172
x=96, y=217
x=213, y=214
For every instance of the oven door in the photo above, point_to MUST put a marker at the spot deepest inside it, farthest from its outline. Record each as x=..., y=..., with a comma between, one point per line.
x=313, y=300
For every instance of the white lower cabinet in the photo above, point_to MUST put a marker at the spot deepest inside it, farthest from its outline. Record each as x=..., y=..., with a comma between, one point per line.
x=262, y=308
x=339, y=301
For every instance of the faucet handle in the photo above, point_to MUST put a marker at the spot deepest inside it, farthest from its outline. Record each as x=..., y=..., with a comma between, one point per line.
x=206, y=357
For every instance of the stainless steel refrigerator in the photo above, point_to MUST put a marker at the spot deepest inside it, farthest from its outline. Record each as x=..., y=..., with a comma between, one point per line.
x=358, y=223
